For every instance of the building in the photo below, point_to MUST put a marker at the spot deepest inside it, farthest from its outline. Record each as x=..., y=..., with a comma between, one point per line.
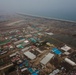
x=47, y=58
x=65, y=48
x=17, y=42
x=13, y=54
x=26, y=48
x=55, y=72
x=28, y=35
x=32, y=40
x=30, y=55
x=50, y=33
x=70, y=62
x=56, y=51
x=19, y=46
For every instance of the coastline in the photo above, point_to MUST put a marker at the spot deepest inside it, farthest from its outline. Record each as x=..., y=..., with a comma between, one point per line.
x=48, y=17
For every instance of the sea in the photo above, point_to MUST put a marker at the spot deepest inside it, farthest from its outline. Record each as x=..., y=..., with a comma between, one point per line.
x=58, y=16
x=64, y=17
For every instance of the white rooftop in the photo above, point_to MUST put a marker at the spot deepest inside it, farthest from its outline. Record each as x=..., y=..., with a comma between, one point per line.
x=23, y=69
x=55, y=72
x=47, y=58
x=30, y=55
x=51, y=74
x=65, y=48
x=13, y=54
x=26, y=48
x=70, y=62
x=19, y=41
x=26, y=41
x=50, y=33
x=67, y=53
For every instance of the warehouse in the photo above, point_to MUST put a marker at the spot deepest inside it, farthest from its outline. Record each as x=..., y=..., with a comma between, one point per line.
x=70, y=62
x=56, y=51
x=47, y=58
x=30, y=55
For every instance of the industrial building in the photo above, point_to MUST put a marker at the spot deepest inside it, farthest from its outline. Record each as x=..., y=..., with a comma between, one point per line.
x=47, y=58
x=30, y=55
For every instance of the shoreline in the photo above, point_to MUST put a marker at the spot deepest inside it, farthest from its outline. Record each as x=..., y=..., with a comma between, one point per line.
x=48, y=17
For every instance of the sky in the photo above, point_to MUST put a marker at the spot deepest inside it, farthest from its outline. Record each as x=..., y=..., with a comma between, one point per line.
x=47, y=8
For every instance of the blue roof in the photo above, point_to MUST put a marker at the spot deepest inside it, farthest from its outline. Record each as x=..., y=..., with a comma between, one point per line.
x=31, y=70
x=36, y=71
x=25, y=62
x=33, y=40
x=20, y=65
x=56, y=51
x=34, y=74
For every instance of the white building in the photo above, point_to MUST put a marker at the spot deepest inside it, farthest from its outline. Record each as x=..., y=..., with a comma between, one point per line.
x=66, y=48
x=50, y=33
x=26, y=48
x=23, y=69
x=70, y=62
x=28, y=35
x=66, y=53
x=17, y=42
x=47, y=58
x=13, y=54
x=30, y=55
x=55, y=72
x=26, y=41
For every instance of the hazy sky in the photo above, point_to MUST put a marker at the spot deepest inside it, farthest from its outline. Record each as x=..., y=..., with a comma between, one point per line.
x=39, y=7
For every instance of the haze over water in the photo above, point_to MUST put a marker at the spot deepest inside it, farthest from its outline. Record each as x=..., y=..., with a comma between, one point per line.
x=60, y=9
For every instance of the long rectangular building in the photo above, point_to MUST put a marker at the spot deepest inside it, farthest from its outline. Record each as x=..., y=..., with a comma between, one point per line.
x=30, y=55
x=47, y=58
x=17, y=42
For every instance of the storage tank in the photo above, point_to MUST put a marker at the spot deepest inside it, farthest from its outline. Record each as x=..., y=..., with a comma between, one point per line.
x=70, y=62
